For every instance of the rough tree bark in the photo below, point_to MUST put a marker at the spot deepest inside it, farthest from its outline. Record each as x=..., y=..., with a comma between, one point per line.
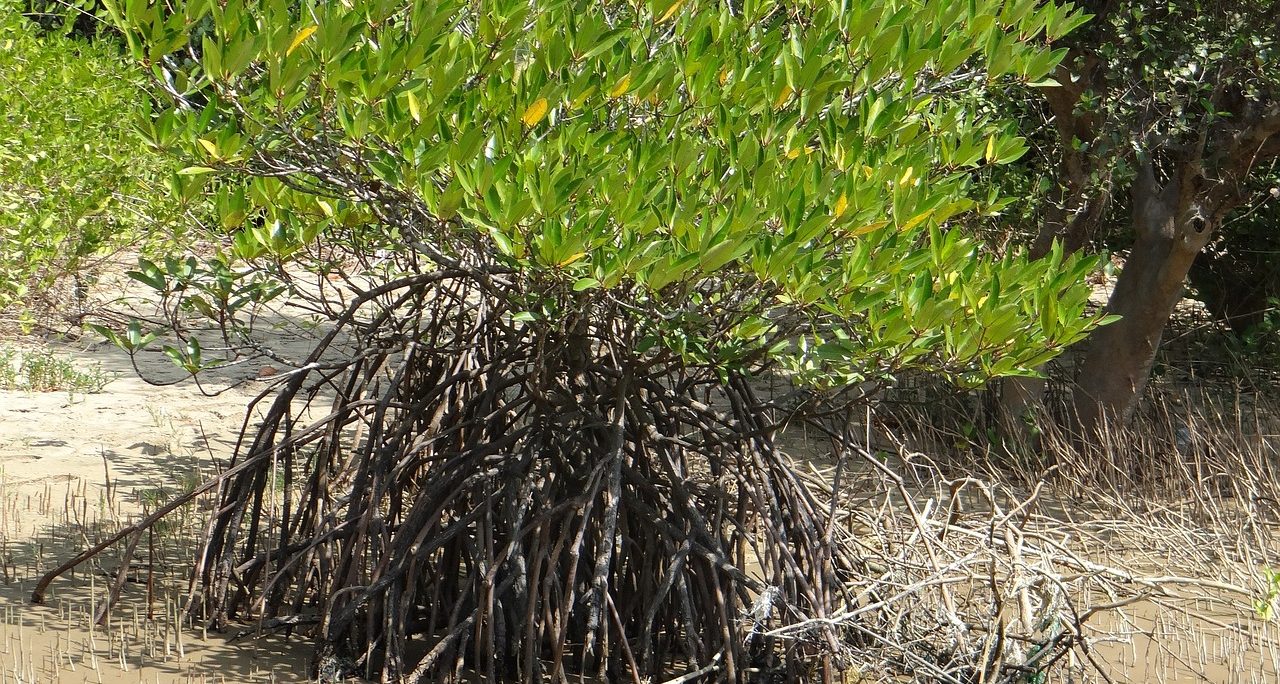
x=1206, y=180
x=1106, y=117
x=1186, y=184
x=1170, y=228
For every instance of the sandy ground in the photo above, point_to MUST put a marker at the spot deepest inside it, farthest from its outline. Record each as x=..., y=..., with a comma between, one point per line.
x=74, y=466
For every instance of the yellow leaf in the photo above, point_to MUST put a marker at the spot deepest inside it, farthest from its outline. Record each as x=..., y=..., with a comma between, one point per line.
x=838, y=156
x=724, y=76
x=796, y=152
x=783, y=97
x=209, y=147
x=675, y=7
x=991, y=148
x=906, y=175
x=622, y=87
x=842, y=205
x=863, y=230
x=867, y=171
x=302, y=36
x=916, y=220
x=414, y=109
x=571, y=258
x=535, y=112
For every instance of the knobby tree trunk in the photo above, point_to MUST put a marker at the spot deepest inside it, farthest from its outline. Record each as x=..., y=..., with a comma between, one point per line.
x=1170, y=229
x=1207, y=173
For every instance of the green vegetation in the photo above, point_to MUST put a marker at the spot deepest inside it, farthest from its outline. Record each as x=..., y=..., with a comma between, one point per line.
x=559, y=248
x=1265, y=607
x=76, y=182
x=576, y=233
x=822, y=193
x=43, y=370
x=1160, y=138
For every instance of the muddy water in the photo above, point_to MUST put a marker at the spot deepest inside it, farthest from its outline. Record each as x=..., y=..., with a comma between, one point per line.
x=1157, y=643
x=56, y=643
x=145, y=638
x=74, y=468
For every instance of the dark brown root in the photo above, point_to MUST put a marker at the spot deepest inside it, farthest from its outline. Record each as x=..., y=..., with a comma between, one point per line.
x=446, y=486
x=476, y=499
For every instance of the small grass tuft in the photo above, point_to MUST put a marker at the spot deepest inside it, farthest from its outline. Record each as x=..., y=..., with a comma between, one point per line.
x=44, y=371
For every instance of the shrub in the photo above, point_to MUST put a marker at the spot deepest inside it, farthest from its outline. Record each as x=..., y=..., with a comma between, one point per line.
x=76, y=182
x=561, y=240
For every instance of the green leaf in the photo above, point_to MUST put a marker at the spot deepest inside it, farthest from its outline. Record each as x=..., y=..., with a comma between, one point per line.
x=603, y=43
x=110, y=335
x=720, y=254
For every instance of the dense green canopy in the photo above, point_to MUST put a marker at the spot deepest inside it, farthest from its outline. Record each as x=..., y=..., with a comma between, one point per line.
x=75, y=184
x=799, y=160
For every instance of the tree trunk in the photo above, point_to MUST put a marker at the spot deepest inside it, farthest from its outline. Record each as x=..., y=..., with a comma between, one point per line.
x=1170, y=232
